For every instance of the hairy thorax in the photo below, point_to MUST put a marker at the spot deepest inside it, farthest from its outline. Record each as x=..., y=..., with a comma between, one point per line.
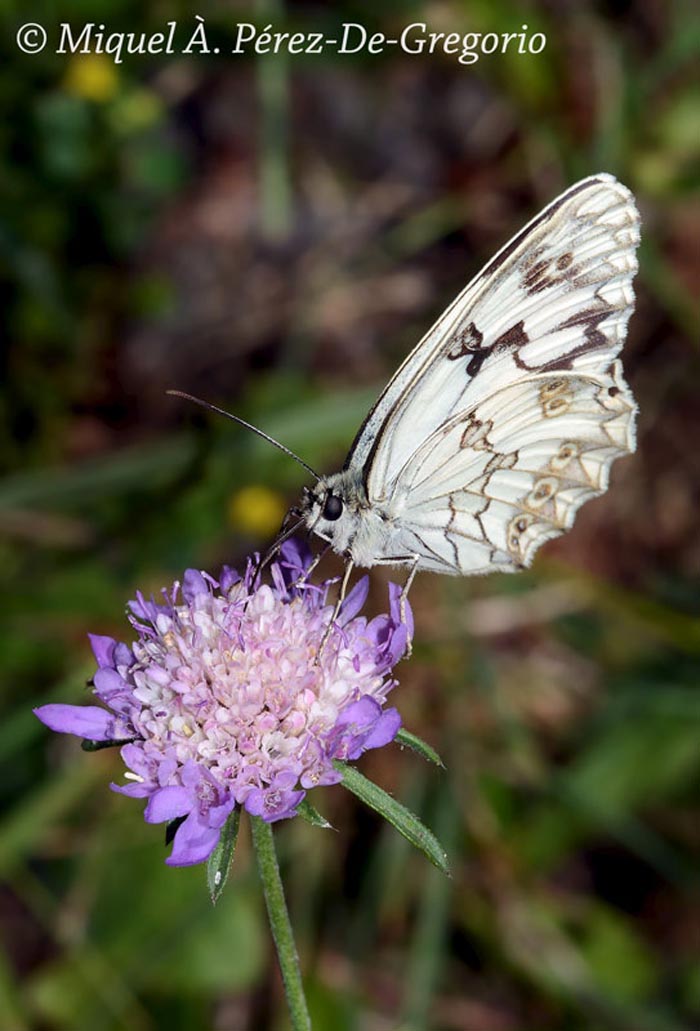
x=367, y=533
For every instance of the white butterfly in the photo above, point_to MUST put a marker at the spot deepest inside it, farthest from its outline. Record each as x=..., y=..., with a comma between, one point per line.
x=508, y=414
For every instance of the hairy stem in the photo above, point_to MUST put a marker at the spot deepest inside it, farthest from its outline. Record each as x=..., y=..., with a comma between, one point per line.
x=280, y=924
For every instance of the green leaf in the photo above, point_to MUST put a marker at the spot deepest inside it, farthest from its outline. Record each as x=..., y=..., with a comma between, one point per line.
x=157, y=465
x=615, y=776
x=208, y=950
x=219, y=862
x=619, y=959
x=405, y=822
x=420, y=747
x=312, y=816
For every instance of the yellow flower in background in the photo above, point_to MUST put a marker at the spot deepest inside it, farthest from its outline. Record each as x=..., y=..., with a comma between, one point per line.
x=92, y=76
x=256, y=510
x=135, y=110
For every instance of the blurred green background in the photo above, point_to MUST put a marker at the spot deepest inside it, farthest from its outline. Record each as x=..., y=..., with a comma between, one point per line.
x=274, y=235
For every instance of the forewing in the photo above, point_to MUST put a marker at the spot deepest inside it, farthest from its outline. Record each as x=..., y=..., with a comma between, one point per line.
x=527, y=350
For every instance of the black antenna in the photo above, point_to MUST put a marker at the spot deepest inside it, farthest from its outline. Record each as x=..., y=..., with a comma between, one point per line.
x=248, y=426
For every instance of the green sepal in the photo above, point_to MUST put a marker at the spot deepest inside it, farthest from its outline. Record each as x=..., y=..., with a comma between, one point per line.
x=405, y=822
x=97, y=746
x=219, y=862
x=172, y=828
x=420, y=747
x=312, y=816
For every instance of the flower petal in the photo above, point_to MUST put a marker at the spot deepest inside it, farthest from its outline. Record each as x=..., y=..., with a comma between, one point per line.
x=193, y=842
x=395, y=593
x=218, y=814
x=88, y=721
x=113, y=690
x=384, y=730
x=227, y=578
x=278, y=580
x=103, y=649
x=168, y=803
x=137, y=762
x=320, y=777
x=396, y=645
x=192, y=773
x=296, y=555
x=134, y=789
x=273, y=805
x=193, y=584
x=123, y=655
x=108, y=682
x=354, y=601
x=360, y=714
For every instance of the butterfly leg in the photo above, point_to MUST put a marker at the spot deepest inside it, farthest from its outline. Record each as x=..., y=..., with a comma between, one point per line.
x=404, y=560
x=314, y=562
x=349, y=566
x=404, y=597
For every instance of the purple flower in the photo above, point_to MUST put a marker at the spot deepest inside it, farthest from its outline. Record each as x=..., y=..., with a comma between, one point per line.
x=224, y=700
x=205, y=804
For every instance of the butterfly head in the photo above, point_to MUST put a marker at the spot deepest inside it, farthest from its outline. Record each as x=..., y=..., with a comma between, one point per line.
x=330, y=510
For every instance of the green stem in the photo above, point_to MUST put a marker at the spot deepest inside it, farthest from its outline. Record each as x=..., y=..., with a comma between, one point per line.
x=273, y=87
x=279, y=923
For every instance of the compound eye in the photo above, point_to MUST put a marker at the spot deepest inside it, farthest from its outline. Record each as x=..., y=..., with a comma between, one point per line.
x=333, y=507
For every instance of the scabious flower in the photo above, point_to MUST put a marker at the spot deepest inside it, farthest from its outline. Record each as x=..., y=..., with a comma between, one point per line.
x=226, y=697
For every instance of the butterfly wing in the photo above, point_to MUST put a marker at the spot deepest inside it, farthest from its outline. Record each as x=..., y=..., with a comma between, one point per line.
x=508, y=414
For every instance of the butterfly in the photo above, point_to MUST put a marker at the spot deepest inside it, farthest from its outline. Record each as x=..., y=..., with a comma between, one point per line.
x=508, y=414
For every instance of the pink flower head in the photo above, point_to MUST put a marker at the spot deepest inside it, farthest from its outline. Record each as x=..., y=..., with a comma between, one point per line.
x=224, y=700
